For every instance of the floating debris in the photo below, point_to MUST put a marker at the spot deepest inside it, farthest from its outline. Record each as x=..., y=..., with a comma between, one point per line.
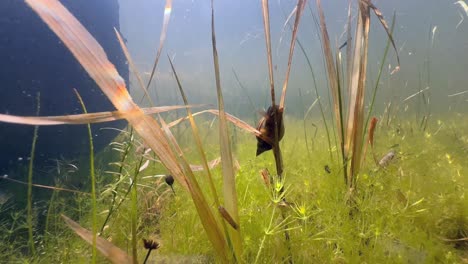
x=456, y=94
x=385, y=161
x=418, y=92
x=266, y=177
x=372, y=126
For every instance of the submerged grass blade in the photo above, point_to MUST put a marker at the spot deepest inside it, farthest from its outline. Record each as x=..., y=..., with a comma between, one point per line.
x=162, y=38
x=81, y=119
x=322, y=113
x=94, y=60
x=331, y=71
x=385, y=26
x=234, y=120
x=374, y=93
x=229, y=181
x=349, y=49
x=356, y=105
x=266, y=25
x=106, y=248
x=45, y=186
x=299, y=9
x=133, y=68
x=196, y=135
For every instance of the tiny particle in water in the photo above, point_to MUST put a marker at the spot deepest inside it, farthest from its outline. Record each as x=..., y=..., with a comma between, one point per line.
x=20, y=158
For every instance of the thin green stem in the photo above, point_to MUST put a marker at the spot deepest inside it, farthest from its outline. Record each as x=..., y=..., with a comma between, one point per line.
x=93, y=180
x=147, y=256
x=134, y=213
x=114, y=193
x=322, y=113
x=32, y=248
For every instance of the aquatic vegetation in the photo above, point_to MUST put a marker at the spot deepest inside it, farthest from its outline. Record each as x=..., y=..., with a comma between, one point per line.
x=32, y=248
x=231, y=209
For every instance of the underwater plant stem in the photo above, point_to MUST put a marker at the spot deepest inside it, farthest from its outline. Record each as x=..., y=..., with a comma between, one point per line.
x=264, y=236
x=32, y=249
x=304, y=125
x=134, y=212
x=374, y=93
x=49, y=210
x=199, y=144
x=245, y=92
x=340, y=107
x=328, y=64
x=147, y=256
x=114, y=193
x=93, y=179
x=317, y=95
x=276, y=146
x=260, y=248
x=229, y=180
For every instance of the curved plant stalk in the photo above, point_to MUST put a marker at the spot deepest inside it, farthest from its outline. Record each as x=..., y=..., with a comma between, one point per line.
x=229, y=180
x=93, y=179
x=134, y=211
x=125, y=152
x=299, y=9
x=162, y=38
x=32, y=248
x=82, y=119
x=318, y=99
x=322, y=113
